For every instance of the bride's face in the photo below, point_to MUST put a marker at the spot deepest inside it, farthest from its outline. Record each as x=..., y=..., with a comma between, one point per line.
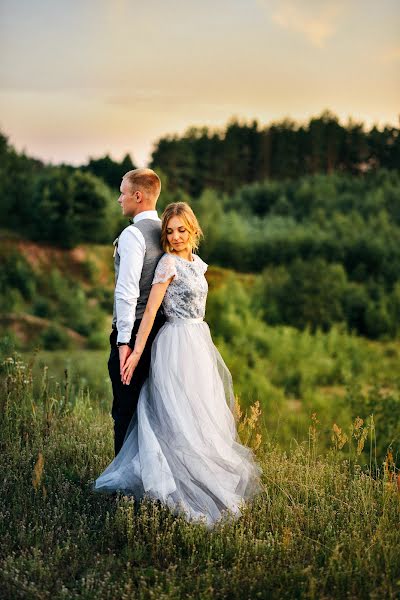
x=177, y=234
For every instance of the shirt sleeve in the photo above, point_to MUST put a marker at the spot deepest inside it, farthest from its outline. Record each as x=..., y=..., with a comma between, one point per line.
x=131, y=250
x=166, y=268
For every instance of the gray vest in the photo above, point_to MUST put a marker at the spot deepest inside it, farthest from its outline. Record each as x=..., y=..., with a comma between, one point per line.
x=151, y=231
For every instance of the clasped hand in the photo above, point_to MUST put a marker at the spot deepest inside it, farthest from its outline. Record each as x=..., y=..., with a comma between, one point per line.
x=128, y=368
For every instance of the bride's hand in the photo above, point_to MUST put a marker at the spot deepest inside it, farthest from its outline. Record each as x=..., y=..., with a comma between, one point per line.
x=129, y=367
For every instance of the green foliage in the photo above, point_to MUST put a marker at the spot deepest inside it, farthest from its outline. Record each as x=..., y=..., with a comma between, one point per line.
x=104, y=296
x=328, y=248
x=308, y=534
x=43, y=308
x=384, y=404
x=326, y=244
x=60, y=205
x=71, y=303
x=17, y=177
x=109, y=170
x=53, y=295
x=311, y=295
x=97, y=341
x=17, y=283
x=69, y=207
x=54, y=338
x=310, y=370
x=7, y=346
x=243, y=153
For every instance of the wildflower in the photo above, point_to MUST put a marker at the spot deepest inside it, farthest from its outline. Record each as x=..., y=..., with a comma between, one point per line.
x=237, y=409
x=249, y=424
x=286, y=537
x=389, y=466
x=339, y=438
x=38, y=471
x=257, y=441
x=358, y=422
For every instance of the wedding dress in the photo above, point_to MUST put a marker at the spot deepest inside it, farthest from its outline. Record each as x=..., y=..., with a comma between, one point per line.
x=181, y=446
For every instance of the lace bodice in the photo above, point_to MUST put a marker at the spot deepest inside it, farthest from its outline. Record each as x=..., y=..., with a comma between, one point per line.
x=186, y=295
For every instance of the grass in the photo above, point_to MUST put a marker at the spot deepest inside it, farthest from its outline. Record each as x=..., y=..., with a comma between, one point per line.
x=325, y=526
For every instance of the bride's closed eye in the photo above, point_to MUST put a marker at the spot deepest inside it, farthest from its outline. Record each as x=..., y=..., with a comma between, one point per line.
x=181, y=230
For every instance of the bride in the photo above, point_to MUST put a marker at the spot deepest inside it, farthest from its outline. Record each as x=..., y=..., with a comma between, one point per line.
x=181, y=446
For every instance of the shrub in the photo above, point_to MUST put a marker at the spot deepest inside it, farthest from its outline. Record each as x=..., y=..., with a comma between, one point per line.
x=55, y=338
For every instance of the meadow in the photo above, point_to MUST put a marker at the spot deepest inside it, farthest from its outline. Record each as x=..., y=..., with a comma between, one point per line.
x=320, y=408
x=325, y=525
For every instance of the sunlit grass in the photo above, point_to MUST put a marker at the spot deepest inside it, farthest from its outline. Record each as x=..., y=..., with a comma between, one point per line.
x=325, y=525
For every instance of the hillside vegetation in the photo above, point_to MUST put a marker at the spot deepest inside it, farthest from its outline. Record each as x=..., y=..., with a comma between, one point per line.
x=302, y=235
x=304, y=299
x=325, y=526
x=325, y=241
x=56, y=308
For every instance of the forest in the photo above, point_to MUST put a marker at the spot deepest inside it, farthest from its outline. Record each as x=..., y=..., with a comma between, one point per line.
x=321, y=233
x=245, y=153
x=302, y=238
x=303, y=274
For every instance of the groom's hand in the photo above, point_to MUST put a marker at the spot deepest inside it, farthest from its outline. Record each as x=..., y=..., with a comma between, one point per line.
x=129, y=367
x=124, y=352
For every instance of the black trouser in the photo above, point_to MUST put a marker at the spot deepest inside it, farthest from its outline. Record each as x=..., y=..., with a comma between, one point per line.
x=126, y=396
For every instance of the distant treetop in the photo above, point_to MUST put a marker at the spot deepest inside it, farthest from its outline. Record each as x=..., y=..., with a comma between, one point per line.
x=244, y=153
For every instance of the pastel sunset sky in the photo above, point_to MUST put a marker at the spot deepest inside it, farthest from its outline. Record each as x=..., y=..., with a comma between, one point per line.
x=80, y=78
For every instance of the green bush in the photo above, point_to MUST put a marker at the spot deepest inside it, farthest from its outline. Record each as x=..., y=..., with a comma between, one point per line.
x=17, y=281
x=55, y=338
x=42, y=307
x=97, y=341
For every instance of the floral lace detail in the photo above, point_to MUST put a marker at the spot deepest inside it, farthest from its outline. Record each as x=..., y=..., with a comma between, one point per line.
x=186, y=295
x=165, y=269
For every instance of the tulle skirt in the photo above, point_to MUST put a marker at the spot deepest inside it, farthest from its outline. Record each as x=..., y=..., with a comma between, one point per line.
x=181, y=446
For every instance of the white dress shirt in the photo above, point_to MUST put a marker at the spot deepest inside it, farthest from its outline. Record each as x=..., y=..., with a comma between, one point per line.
x=131, y=250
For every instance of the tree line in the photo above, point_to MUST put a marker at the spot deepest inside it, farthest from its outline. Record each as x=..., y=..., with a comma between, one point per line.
x=244, y=153
x=61, y=205
x=324, y=247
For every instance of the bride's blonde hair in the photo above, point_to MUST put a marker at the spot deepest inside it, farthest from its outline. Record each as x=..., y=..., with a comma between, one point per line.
x=182, y=210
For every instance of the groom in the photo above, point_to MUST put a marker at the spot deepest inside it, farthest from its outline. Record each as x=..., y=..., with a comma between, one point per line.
x=137, y=252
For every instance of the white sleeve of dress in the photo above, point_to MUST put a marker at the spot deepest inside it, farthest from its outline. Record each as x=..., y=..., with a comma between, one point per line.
x=204, y=266
x=165, y=269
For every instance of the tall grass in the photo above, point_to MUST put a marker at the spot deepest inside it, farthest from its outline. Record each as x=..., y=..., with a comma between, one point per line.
x=325, y=526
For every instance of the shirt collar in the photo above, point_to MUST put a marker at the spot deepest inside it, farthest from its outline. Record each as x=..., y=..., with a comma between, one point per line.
x=147, y=214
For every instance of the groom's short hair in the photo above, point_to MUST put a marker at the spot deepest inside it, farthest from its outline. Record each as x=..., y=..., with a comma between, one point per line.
x=145, y=180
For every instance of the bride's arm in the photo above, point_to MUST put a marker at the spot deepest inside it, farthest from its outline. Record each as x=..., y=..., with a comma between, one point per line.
x=153, y=304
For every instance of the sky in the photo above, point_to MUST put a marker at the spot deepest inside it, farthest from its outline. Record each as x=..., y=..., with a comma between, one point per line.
x=82, y=78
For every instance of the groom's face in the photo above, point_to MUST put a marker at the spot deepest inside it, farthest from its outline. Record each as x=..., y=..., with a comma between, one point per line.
x=128, y=199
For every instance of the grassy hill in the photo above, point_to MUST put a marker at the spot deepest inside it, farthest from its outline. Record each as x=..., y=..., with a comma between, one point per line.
x=324, y=526
x=320, y=409
x=43, y=283
x=56, y=311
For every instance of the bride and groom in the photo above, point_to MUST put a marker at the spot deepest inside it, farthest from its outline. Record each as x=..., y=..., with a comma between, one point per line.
x=175, y=436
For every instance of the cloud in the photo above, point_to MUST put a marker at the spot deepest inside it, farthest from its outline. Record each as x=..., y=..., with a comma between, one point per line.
x=317, y=20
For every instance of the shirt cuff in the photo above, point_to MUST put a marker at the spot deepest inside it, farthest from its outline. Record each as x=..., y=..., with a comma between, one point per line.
x=123, y=338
